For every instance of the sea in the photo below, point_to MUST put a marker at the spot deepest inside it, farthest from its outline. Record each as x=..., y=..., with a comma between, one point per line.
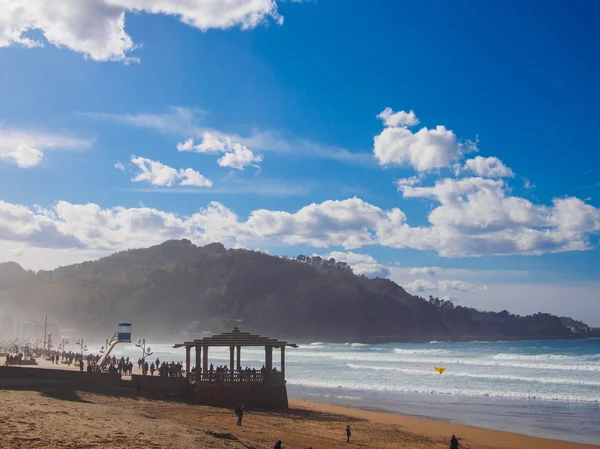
x=542, y=388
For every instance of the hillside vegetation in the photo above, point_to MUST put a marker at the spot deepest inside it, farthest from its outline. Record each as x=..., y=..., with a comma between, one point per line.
x=178, y=288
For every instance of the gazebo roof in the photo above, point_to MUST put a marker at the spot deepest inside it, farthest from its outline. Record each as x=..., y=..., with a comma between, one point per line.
x=236, y=338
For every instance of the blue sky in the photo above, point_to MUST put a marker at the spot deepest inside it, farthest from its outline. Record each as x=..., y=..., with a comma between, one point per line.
x=270, y=125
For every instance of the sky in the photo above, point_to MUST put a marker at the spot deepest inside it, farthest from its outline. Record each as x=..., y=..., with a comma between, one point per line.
x=449, y=146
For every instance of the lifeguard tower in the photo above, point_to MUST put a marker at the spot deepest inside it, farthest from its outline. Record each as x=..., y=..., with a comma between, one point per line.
x=123, y=335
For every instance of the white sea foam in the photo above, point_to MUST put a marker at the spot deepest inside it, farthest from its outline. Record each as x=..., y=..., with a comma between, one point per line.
x=424, y=352
x=545, y=357
x=356, y=398
x=360, y=386
x=447, y=373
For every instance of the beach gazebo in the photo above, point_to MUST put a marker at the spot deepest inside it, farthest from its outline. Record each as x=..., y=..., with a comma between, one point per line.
x=235, y=340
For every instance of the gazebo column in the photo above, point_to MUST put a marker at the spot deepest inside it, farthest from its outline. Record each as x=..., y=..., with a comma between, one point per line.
x=283, y=361
x=231, y=362
x=187, y=361
x=269, y=359
x=239, y=358
x=205, y=361
x=198, y=362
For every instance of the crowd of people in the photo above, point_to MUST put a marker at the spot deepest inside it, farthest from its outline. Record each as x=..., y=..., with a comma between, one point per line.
x=16, y=359
x=164, y=369
x=223, y=373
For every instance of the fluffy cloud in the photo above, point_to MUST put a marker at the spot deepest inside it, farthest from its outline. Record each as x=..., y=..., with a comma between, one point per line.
x=159, y=174
x=350, y=223
x=424, y=150
x=26, y=148
x=401, y=118
x=361, y=263
x=488, y=167
x=422, y=271
x=412, y=181
x=236, y=155
x=96, y=28
x=239, y=157
x=476, y=216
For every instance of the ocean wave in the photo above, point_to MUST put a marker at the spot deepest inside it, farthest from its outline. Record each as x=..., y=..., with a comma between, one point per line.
x=443, y=358
x=335, y=396
x=543, y=357
x=549, y=396
x=421, y=351
x=509, y=377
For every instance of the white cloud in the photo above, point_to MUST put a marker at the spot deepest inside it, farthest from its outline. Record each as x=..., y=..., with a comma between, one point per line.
x=423, y=285
x=26, y=148
x=412, y=181
x=476, y=216
x=349, y=224
x=191, y=177
x=490, y=167
x=424, y=150
x=239, y=157
x=360, y=263
x=236, y=155
x=177, y=120
x=400, y=118
x=24, y=156
x=528, y=184
x=120, y=166
x=422, y=271
x=210, y=144
x=159, y=174
x=96, y=28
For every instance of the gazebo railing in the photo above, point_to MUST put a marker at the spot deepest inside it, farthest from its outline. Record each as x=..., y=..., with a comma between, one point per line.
x=238, y=377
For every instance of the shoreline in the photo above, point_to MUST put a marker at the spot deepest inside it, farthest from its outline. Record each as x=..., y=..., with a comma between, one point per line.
x=432, y=428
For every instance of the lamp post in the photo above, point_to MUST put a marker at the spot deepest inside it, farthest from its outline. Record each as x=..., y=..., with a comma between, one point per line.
x=83, y=347
x=48, y=341
x=141, y=343
x=63, y=344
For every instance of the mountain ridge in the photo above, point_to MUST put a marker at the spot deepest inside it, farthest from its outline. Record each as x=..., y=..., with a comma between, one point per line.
x=179, y=288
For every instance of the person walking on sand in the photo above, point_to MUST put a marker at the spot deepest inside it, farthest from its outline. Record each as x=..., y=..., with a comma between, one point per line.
x=348, y=433
x=453, y=442
x=277, y=445
x=239, y=411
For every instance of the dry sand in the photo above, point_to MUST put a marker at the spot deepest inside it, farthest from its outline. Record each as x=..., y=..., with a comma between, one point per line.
x=53, y=416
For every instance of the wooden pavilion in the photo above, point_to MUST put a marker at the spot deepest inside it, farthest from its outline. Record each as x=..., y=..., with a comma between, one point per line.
x=263, y=388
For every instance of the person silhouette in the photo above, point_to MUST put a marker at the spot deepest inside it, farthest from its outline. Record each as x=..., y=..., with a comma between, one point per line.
x=453, y=442
x=348, y=433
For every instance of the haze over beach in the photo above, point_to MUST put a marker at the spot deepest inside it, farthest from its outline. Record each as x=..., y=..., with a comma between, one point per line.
x=407, y=192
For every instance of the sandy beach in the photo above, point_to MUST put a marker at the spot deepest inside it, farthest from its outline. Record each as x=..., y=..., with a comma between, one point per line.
x=34, y=415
